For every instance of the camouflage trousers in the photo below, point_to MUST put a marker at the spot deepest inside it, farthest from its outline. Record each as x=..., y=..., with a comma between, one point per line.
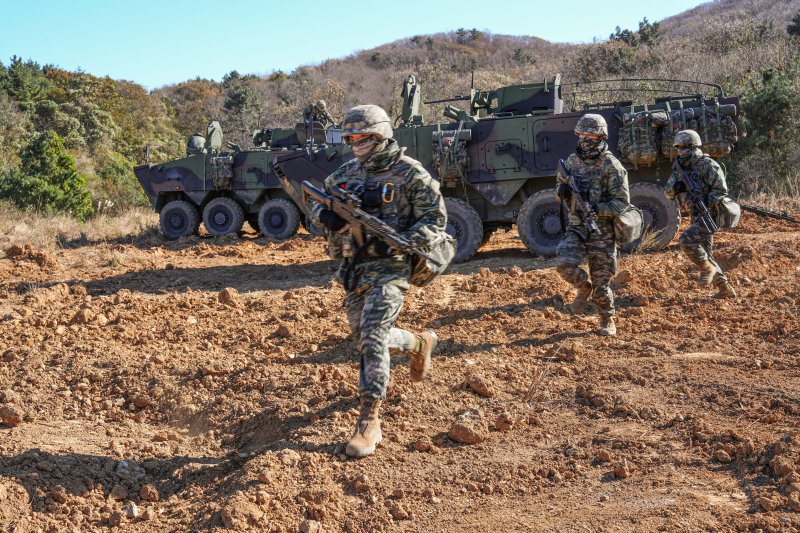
x=601, y=254
x=372, y=311
x=697, y=243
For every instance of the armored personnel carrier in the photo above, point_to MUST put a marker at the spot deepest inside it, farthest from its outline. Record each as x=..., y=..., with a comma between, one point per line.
x=225, y=188
x=496, y=160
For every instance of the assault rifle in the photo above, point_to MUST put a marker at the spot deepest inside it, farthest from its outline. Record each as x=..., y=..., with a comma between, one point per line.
x=764, y=212
x=361, y=224
x=693, y=194
x=588, y=214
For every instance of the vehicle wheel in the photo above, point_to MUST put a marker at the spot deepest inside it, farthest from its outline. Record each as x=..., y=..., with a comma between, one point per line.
x=539, y=223
x=661, y=217
x=177, y=219
x=222, y=216
x=465, y=226
x=279, y=219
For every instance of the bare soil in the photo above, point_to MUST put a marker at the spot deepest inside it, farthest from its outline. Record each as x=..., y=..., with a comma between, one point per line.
x=211, y=384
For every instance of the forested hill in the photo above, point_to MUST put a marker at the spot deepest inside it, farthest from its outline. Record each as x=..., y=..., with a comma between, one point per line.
x=70, y=138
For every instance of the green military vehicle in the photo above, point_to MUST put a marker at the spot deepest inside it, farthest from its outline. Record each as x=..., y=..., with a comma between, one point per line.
x=225, y=188
x=496, y=161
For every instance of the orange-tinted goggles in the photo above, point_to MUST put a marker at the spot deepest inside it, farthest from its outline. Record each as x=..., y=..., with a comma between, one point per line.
x=357, y=138
x=590, y=136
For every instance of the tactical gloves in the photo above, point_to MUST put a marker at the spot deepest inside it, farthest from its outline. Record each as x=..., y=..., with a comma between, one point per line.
x=331, y=220
x=564, y=192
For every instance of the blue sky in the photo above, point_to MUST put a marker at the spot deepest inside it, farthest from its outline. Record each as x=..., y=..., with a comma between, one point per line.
x=162, y=42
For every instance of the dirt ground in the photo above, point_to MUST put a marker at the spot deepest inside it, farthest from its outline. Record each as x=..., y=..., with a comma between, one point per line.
x=210, y=384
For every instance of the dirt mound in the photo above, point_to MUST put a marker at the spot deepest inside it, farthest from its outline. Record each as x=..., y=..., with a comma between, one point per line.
x=211, y=383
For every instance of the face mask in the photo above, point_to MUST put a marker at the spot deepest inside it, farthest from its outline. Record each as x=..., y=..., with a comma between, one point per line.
x=363, y=148
x=684, y=154
x=588, y=144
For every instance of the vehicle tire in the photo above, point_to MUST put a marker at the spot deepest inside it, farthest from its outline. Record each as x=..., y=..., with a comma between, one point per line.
x=539, y=223
x=661, y=217
x=222, y=216
x=178, y=219
x=465, y=226
x=279, y=219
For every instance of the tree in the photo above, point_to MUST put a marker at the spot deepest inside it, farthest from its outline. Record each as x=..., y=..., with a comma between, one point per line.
x=648, y=34
x=794, y=26
x=47, y=180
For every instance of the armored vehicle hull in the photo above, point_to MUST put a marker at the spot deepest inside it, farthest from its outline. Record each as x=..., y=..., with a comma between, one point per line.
x=224, y=189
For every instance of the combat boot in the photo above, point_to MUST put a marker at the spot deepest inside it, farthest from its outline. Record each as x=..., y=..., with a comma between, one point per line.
x=421, y=357
x=707, y=272
x=607, y=327
x=368, y=429
x=725, y=291
x=581, y=300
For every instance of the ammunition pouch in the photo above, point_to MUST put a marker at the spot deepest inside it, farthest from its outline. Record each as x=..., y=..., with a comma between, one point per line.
x=628, y=224
x=726, y=213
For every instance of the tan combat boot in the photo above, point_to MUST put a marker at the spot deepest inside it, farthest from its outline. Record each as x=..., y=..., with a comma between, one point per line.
x=706, y=275
x=421, y=358
x=368, y=429
x=725, y=291
x=581, y=300
x=607, y=327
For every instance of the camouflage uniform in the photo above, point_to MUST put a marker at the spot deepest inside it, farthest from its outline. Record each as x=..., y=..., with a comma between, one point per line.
x=417, y=211
x=318, y=112
x=604, y=183
x=698, y=240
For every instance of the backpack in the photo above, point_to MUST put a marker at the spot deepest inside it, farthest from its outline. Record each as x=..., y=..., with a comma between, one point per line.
x=638, y=137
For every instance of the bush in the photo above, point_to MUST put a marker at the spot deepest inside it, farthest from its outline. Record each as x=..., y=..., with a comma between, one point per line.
x=115, y=188
x=47, y=180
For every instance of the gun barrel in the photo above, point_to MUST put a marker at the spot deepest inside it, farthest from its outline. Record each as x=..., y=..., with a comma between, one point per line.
x=456, y=98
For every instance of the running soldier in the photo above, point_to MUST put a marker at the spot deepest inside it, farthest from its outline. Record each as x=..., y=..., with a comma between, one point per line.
x=707, y=176
x=602, y=181
x=399, y=191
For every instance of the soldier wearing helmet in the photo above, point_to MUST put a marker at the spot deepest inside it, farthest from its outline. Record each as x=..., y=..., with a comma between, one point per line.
x=399, y=191
x=603, y=182
x=318, y=112
x=698, y=239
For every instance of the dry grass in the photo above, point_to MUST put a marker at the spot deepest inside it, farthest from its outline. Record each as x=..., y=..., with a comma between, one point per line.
x=50, y=232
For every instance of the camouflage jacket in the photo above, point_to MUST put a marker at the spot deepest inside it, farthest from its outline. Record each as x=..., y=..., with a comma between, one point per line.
x=399, y=191
x=312, y=113
x=603, y=181
x=707, y=174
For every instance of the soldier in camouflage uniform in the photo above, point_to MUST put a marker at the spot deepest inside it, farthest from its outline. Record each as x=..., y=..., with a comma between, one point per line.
x=318, y=112
x=399, y=191
x=698, y=239
x=603, y=182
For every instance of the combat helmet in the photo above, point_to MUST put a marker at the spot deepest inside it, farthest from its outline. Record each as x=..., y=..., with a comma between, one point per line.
x=367, y=119
x=592, y=124
x=687, y=138
x=320, y=105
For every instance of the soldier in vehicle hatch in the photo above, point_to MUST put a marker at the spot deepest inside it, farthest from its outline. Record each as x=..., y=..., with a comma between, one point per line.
x=594, y=176
x=399, y=191
x=706, y=176
x=318, y=112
